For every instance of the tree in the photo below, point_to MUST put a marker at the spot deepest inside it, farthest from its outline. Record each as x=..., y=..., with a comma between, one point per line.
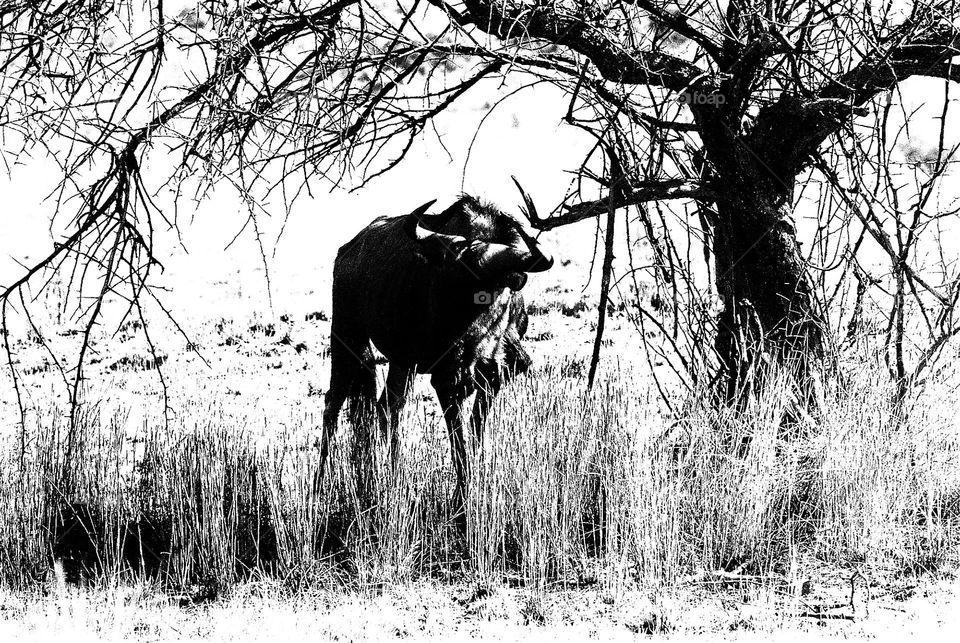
x=731, y=108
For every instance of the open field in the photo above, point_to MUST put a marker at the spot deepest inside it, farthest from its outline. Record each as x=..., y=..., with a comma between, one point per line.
x=595, y=513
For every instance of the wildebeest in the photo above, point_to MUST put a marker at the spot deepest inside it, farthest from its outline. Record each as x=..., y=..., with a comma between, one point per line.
x=435, y=294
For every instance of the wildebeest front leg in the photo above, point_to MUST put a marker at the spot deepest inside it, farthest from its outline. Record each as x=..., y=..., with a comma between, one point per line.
x=454, y=396
x=490, y=378
x=491, y=375
x=390, y=406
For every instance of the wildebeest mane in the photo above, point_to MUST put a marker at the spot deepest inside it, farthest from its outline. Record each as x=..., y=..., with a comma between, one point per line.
x=474, y=218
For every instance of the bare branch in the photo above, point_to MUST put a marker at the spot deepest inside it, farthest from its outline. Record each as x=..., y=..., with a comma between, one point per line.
x=638, y=193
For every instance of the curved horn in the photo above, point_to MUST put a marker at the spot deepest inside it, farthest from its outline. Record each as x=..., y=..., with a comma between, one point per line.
x=435, y=244
x=419, y=212
x=413, y=219
x=414, y=226
x=423, y=234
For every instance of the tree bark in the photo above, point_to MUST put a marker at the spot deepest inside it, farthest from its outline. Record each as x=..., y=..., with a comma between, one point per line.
x=770, y=313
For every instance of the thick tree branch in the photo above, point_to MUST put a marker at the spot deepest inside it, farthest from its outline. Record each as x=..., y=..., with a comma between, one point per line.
x=946, y=70
x=678, y=22
x=788, y=132
x=615, y=62
x=911, y=51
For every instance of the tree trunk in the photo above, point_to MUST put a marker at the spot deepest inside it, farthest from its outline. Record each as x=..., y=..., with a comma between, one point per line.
x=769, y=312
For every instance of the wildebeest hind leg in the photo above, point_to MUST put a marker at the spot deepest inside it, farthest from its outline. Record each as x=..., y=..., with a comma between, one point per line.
x=346, y=366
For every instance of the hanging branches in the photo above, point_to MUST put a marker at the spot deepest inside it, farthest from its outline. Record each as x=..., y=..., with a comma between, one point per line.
x=696, y=97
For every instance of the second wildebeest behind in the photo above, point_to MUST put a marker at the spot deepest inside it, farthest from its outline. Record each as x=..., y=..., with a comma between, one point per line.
x=435, y=294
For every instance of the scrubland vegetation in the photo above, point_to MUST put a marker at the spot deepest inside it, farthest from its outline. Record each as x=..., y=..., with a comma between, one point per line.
x=602, y=491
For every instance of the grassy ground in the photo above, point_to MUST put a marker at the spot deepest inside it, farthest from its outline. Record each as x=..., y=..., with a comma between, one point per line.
x=265, y=611
x=595, y=513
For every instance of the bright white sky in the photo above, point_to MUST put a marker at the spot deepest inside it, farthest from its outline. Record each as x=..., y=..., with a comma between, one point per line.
x=524, y=137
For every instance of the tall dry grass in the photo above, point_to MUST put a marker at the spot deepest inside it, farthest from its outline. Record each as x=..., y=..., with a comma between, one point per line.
x=570, y=486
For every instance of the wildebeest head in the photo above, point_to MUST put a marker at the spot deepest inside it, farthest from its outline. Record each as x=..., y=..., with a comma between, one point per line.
x=481, y=241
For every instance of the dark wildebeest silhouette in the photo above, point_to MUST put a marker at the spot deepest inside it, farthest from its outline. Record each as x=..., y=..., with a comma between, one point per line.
x=434, y=294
